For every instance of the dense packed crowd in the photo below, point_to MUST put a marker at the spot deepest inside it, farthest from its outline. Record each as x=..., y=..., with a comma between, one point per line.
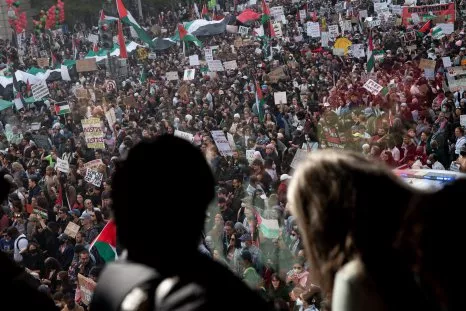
x=415, y=121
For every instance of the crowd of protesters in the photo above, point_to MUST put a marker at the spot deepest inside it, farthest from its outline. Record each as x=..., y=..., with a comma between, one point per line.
x=416, y=123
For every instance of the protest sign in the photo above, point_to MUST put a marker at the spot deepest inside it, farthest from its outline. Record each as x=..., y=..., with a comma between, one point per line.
x=302, y=14
x=86, y=65
x=333, y=31
x=93, y=38
x=276, y=75
x=277, y=11
x=86, y=288
x=243, y=30
x=215, y=65
x=358, y=50
x=62, y=166
x=94, y=164
x=427, y=63
x=222, y=143
x=93, y=133
x=446, y=11
x=41, y=141
x=40, y=90
x=313, y=29
x=373, y=87
x=446, y=61
x=152, y=56
x=184, y=135
x=277, y=28
x=111, y=117
x=93, y=177
x=208, y=54
x=250, y=156
x=299, y=156
x=193, y=60
x=279, y=98
x=72, y=230
x=189, y=74
x=43, y=62
x=172, y=75
x=231, y=65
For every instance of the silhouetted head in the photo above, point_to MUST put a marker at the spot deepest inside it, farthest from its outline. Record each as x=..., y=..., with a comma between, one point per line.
x=160, y=194
x=346, y=205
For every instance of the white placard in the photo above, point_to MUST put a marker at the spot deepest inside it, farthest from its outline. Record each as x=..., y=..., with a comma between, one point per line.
x=313, y=30
x=172, y=75
x=243, y=30
x=279, y=98
x=415, y=18
x=193, y=60
x=358, y=50
x=396, y=9
x=111, y=117
x=277, y=11
x=222, y=143
x=333, y=31
x=373, y=87
x=62, y=166
x=346, y=25
x=302, y=14
x=184, y=135
x=189, y=74
x=93, y=177
x=250, y=156
x=338, y=52
x=324, y=37
x=40, y=90
x=446, y=62
x=298, y=38
x=215, y=65
x=152, y=56
x=231, y=65
x=277, y=28
x=373, y=23
x=208, y=54
x=362, y=14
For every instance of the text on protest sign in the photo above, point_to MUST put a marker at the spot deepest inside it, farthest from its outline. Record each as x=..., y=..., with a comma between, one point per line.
x=193, y=60
x=86, y=288
x=222, y=143
x=40, y=90
x=231, y=65
x=62, y=166
x=93, y=133
x=184, y=135
x=373, y=87
x=72, y=230
x=215, y=65
x=208, y=54
x=111, y=117
x=243, y=30
x=85, y=65
x=279, y=98
x=93, y=177
x=172, y=75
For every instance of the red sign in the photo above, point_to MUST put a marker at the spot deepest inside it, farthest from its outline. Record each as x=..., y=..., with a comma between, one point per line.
x=424, y=12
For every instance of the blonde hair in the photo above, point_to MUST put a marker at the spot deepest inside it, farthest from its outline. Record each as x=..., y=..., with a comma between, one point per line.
x=335, y=209
x=16, y=166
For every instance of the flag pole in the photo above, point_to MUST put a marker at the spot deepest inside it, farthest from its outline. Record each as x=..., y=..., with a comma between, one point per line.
x=184, y=48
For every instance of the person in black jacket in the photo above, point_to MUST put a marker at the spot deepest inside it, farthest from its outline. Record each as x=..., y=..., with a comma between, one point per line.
x=179, y=277
x=16, y=283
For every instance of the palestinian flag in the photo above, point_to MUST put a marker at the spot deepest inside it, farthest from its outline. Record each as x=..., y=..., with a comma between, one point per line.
x=162, y=43
x=105, y=242
x=128, y=19
x=260, y=102
x=62, y=108
x=104, y=19
x=370, y=57
x=184, y=36
x=427, y=26
x=205, y=12
x=121, y=42
x=248, y=16
x=265, y=12
x=437, y=33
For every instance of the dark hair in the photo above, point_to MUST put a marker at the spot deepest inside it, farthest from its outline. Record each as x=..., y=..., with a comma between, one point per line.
x=169, y=154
